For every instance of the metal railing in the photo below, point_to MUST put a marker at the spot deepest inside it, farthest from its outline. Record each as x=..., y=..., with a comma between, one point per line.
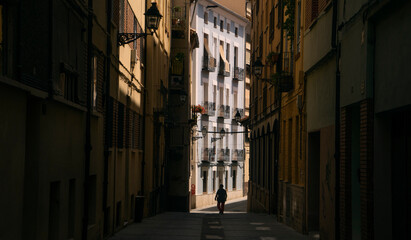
x=238, y=155
x=208, y=154
x=238, y=74
x=211, y=108
x=223, y=155
x=209, y=63
x=223, y=70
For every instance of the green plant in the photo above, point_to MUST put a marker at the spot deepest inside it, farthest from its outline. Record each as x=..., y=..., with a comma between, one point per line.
x=288, y=25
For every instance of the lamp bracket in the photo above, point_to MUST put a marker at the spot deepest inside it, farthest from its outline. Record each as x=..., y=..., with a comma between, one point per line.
x=124, y=38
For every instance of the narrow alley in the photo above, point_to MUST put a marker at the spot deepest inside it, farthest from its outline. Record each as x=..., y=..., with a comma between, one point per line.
x=206, y=223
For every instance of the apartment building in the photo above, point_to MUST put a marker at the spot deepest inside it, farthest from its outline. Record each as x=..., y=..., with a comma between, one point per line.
x=218, y=70
x=76, y=139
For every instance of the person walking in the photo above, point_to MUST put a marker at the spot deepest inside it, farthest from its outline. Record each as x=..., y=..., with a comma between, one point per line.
x=221, y=197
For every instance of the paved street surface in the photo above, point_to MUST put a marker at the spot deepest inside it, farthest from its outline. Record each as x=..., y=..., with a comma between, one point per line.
x=206, y=224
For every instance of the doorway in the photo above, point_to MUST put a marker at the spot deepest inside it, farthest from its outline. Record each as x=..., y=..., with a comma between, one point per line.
x=313, y=183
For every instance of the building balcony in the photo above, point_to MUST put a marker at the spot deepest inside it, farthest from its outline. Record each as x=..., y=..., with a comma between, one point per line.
x=209, y=63
x=238, y=155
x=206, y=107
x=227, y=112
x=221, y=111
x=284, y=78
x=208, y=155
x=238, y=74
x=210, y=108
x=223, y=155
x=224, y=69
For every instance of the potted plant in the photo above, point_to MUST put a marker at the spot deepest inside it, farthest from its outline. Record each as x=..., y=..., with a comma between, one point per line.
x=198, y=109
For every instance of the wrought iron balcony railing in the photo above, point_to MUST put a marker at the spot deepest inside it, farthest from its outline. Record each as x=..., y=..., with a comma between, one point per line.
x=208, y=154
x=284, y=78
x=209, y=63
x=223, y=155
x=224, y=69
x=238, y=74
x=238, y=155
x=211, y=108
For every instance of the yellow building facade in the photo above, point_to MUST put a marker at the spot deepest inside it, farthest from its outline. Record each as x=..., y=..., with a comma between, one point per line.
x=277, y=162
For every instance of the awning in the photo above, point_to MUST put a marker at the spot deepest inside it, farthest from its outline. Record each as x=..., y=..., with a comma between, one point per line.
x=222, y=55
x=207, y=48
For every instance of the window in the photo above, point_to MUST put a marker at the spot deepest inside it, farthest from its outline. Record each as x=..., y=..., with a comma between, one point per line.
x=215, y=22
x=289, y=150
x=236, y=31
x=215, y=48
x=68, y=83
x=214, y=178
x=205, y=179
x=205, y=92
x=226, y=180
x=92, y=200
x=222, y=25
x=71, y=208
x=234, y=179
x=235, y=57
x=228, y=28
x=214, y=93
x=227, y=56
x=94, y=82
x=298, y=26
x=279, y=14
x=311, y=12
x=206, y=17
x=54, y=210
x=296, y=150
x=272, y=22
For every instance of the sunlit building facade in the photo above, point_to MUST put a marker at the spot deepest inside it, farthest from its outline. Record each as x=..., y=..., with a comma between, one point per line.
x=218, y=70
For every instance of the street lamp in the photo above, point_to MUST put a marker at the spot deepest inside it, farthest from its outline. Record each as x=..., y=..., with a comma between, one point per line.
x=237, y=116
x=258, y=68
x=152, y=17
x=203, y=132
x=222, y=134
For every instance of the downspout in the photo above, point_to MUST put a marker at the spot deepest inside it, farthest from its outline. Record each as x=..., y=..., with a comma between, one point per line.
x=143, y=161
x=88, y=120
x=279, y=68
x=107, y=100
x=335, y=45
x=50, y=81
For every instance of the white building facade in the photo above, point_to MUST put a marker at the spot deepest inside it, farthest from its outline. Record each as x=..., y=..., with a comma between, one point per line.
x=218, y=74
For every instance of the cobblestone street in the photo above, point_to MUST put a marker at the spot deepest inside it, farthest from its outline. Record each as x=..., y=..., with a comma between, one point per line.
x=206, y=223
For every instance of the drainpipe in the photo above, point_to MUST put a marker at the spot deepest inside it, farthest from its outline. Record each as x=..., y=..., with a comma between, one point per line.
x=108, y=113
x=50, y=82
x=335, y=45
x=143, y=161
x=279, y=68
x=88, y=120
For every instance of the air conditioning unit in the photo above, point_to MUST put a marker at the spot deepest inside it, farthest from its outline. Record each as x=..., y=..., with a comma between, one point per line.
x=133, y=58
